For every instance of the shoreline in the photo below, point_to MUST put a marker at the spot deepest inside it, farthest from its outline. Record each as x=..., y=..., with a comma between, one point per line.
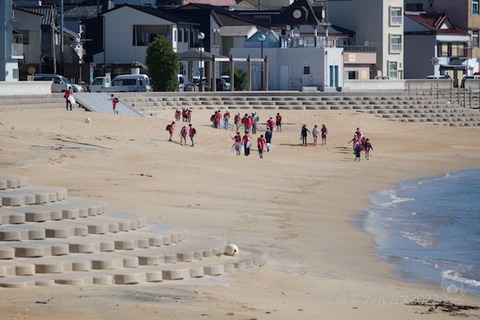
x=393, y=252
x=296, y=206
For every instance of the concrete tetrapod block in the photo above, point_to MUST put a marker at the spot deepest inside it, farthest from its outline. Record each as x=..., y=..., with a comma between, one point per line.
x=112, y=261
x=72, y=279
x=11, y=217
x=64, y=229
x=37, y=249
x=51, y=265
x=214, y=270
x=7, y=253
x=17, y=282
x=177, y=273
x=12, y=200
x=154, y=275
x=21, y=232
x=61, y=210
x=90, y=244
x=11, y=268
x=12, y=182
x=196, y=272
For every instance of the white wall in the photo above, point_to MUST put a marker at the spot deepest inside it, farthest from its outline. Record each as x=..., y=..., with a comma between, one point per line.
x=293, y=59
x=19, y=88
x=31, y=22
x=118, y=35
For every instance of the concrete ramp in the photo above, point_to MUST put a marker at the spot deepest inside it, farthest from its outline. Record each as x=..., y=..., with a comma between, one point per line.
x=102, y=102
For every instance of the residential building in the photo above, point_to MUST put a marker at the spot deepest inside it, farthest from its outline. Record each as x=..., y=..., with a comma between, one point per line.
x=39, y=28
x=10, y=44
x=376, y=23
x=127, y=31
x=434, y=46
x=464, y=14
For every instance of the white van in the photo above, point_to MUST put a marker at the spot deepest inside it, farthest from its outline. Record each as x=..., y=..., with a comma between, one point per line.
x=130, y=83
x=100, y=84
x=59, y=83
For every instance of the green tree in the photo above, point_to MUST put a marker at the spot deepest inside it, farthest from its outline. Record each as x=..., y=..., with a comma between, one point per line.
x=162, y=64
x=240, y=79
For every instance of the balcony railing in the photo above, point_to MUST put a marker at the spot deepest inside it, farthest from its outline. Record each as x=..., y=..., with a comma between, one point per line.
x=355, y=49
x=17, y=50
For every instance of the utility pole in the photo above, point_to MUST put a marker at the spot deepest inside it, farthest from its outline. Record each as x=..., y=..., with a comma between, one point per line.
x=61, y=37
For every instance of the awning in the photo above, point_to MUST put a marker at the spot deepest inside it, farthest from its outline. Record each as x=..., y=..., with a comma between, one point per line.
x=194, y=55
x=453, y=66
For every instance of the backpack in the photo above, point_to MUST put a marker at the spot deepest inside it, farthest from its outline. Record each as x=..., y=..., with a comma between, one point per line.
x=168, y=127
x=194, y=131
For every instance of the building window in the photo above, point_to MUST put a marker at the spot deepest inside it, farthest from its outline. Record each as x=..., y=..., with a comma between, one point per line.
x=395, y=43
x=396, y=16
x=452, y=49
x=414, y=7
x=475, y=34
x=306, y=69
x=25, y=37
x=180, y=35
x=392, y=70
x=475, y=7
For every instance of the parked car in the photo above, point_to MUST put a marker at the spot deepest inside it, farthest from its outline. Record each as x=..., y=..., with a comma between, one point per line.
x=222, y=85
x=100, y=84
x=130, y=83
x=441, y=77
x=465, y=78
x=183, y=83
x=59, y=83
x=227, y=80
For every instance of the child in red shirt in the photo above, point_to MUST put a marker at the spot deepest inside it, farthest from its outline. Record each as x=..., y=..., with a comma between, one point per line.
x=261, y=142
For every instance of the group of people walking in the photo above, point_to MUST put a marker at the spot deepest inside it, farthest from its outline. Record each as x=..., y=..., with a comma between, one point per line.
x=361, y=143
x=250, y=123
x=185, y=131
x=304, y=132
x=242, y=144
x=185, y=114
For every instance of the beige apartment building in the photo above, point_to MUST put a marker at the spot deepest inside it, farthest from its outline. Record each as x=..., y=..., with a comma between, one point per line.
x=378, y=24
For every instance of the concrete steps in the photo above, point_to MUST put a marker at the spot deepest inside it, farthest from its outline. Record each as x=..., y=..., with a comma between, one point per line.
x=55, y=239
x=388, y=105
x=401, y=107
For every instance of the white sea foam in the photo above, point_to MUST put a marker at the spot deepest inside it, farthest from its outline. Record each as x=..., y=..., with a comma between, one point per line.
x=424, y=239
x=389, y=198
x=457, y=277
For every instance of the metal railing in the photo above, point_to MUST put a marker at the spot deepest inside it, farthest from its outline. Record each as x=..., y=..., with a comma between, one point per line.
x=467, y=98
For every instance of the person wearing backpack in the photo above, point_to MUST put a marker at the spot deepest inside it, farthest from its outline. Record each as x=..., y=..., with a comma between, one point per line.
x=183, y=136
x=171, y=128
x=191, y=133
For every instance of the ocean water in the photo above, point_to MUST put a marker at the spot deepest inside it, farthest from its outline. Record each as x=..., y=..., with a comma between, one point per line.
x=429, y=229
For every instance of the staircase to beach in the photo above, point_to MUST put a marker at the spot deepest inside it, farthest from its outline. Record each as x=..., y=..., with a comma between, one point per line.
x=394, y=106
x=48, y=238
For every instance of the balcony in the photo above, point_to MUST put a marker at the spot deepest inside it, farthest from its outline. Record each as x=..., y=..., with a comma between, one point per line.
x=17, y=51
x=355, y=55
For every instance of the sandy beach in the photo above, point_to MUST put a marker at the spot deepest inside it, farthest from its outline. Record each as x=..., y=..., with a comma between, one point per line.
x=295, y=206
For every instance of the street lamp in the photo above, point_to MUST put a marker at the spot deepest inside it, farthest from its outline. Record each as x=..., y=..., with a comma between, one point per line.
x=262, y=38
x=200, y=37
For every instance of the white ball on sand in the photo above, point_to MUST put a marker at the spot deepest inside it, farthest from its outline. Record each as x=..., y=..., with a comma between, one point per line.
x=231, y=250
x=88, y=120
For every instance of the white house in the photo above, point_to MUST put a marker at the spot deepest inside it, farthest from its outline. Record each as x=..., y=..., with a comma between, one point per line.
x=129, y=29
x=434, y=46
x=294, y=68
